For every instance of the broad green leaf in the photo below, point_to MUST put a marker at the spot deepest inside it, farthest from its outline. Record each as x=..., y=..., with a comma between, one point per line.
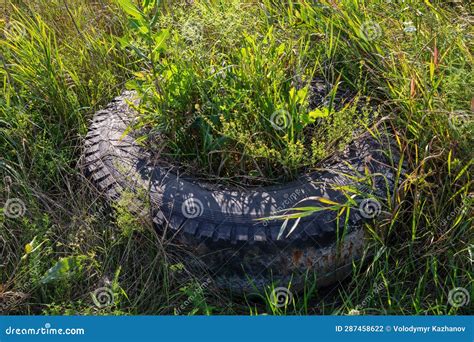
x=138, y=24
x=160, y=40
x=309, y=118
x=319, y=113
x=123, y=41
x=301, y=95
x=63, y=269
x=130, y=8
x=292, y=93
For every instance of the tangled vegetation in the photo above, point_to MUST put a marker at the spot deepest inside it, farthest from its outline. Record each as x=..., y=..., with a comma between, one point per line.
x=236, y=96
x=211, y=80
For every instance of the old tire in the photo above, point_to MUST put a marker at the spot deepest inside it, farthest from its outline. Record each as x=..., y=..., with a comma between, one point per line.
x=221, y=228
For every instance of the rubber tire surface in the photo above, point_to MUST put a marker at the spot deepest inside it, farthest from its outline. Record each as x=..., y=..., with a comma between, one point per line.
x=221, y=228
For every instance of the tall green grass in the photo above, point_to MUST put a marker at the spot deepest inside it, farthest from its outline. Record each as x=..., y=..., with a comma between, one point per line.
x=241, y=86
x=59, y=65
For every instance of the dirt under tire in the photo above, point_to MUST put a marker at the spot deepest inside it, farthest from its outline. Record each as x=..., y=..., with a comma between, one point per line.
x=222, y=229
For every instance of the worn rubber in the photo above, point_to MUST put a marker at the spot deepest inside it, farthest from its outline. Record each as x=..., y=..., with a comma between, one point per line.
x=222, y=228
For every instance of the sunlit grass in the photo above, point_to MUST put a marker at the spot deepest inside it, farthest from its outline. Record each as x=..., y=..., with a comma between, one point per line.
x=412, y=60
